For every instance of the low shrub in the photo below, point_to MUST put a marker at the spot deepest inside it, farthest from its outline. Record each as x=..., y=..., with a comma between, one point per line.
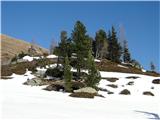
x=21, y=55
x=14, y=59
x=148, y=93
x=54, y=72
x=82, y=95
x=125, y=92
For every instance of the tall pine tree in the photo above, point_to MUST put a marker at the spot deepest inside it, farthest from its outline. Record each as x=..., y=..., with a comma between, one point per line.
x=101, y=44
x=82, y=44
x=152, y=67
x=114, y=48
x=126, y=53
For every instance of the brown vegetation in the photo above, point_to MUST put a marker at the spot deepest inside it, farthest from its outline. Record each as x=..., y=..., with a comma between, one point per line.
x=12, y=46
x=20, y=68
x=107, y=65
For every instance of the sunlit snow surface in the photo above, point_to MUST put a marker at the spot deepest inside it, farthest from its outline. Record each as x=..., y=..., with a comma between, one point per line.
x=21, y=102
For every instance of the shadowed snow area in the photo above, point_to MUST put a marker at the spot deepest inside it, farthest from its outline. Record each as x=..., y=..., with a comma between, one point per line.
x=19, y=101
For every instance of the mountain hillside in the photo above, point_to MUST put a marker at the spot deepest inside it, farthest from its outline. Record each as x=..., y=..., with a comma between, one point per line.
x=12, y=46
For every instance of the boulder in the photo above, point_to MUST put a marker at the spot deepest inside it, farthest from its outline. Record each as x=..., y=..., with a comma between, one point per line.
x=82, y=95
x=33, y=82
x=132, y=77
x=130, y=83
x=55, y=87
x=156, y=81
x=125, y=92
x=86, y=90
x=148, y=93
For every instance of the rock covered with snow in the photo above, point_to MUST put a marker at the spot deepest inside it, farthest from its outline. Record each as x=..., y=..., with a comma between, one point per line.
x=29, y=58
x=86, y=90
x=52, y=56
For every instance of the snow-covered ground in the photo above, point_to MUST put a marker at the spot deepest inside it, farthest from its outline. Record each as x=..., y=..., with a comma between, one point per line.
x=19, y=101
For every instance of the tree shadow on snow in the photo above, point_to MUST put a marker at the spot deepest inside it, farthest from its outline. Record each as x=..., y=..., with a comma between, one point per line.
x=150, y=115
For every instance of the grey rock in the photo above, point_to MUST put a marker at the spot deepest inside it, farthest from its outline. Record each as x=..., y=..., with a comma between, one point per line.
x=33, y=82
x=86, y=90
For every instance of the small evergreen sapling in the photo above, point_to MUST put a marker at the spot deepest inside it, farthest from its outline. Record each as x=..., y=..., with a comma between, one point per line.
x=126, y=53
x=152, y=67
x=93, y=76
x=67, y=75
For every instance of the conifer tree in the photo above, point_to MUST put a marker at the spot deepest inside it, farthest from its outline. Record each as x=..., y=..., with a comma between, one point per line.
x=82, y=44
x=61, y=50
x=101, y=44
x=114, y=48
x=63, y=44
x=93, y=76
x=67, y=75
x=126, y=53
x=152, y=67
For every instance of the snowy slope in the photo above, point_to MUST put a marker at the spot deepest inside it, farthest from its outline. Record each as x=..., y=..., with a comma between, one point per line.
x=25, y=102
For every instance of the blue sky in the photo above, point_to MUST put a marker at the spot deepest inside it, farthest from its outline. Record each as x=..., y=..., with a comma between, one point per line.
x=43, y=21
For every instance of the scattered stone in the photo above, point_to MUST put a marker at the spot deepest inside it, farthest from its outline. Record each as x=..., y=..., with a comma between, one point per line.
x=82, y=95
x=156, y=81
x=99, y=95
x=55, y=87
x=105, y=90
x=148, y=93
x=130, y=83
x=132, y=77
x=112, y=85
x=111, y=79
x=125, y=92
x=6, y=77
x=110, y=92
x=152, y=87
